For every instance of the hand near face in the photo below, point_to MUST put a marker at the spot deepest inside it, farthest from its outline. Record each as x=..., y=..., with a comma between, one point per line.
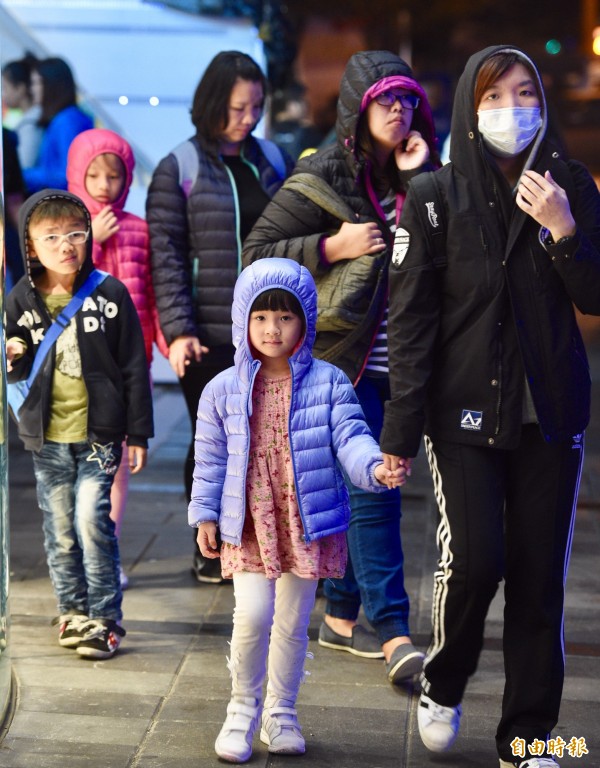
x=546, y=202
x=104, y=225
x=411, y=153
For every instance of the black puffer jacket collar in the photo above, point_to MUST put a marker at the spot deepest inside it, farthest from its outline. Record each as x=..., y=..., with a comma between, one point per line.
x=363, y=70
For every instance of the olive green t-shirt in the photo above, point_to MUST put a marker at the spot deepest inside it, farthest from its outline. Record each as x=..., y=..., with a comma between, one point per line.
x=69, y=405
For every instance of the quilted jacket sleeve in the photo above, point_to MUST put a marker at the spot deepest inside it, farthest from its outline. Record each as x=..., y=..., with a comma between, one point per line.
x=290, y=227
x=210, y=462
x=353, y=443
x=166, y=214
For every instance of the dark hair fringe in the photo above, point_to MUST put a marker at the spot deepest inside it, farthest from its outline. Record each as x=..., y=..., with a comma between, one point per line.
x=210, y=106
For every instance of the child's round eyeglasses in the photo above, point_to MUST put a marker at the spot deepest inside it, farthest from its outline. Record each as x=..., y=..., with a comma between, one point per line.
x=407, y=100
x=73, y=238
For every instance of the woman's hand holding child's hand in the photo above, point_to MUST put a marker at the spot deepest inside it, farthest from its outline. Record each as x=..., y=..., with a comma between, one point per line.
x=393, y=477
x=207, y=540
x=105, y=225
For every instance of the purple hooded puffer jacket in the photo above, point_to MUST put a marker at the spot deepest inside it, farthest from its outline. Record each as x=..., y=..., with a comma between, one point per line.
x=326, y=422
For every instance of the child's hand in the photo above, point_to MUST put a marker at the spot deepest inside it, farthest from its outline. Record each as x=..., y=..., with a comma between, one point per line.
x=207, y=540
x=104, y=225
x=393, y=476
x=14, y=350
x=137, y=457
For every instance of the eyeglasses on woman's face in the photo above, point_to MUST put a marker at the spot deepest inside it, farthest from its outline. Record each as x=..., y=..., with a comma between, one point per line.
x=389, y=98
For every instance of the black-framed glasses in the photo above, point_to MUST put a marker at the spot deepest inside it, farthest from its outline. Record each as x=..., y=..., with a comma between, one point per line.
x=73, y=238
x=389, y=98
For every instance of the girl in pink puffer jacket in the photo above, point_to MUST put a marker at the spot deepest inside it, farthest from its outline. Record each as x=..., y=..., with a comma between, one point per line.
x=100, y=171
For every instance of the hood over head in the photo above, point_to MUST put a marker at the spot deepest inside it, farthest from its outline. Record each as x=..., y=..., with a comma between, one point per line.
x=35, y=267
x=467, y=152
x=264, y=275
x=367, y=74
x=85, y=148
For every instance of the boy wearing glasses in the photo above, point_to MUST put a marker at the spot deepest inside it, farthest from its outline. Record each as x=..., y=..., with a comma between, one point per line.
x=91, y=392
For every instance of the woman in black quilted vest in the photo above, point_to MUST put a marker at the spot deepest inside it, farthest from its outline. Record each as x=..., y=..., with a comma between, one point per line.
x=203, y=199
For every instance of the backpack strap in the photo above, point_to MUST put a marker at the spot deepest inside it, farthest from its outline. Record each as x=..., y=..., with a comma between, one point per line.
x=274, y=155
x=318, y=191
x=432, y=214
x=188, y=164
x=63, y=319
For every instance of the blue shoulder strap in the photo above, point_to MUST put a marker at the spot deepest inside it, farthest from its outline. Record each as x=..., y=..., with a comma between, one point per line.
x=274, y=155
x=63, y=319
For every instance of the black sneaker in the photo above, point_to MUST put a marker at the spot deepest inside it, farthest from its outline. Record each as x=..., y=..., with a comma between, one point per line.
x=71, y=628
x=101, y=639
x=206, y=570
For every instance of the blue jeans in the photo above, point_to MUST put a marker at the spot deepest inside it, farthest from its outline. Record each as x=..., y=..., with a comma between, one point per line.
x=374, y=574
x=73, y=488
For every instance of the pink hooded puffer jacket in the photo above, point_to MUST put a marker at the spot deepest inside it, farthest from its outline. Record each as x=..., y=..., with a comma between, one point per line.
x=126, y=254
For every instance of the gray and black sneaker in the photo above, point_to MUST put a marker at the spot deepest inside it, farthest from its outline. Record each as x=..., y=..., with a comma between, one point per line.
x=362, y=643
x=71, y=628
x=101, y=639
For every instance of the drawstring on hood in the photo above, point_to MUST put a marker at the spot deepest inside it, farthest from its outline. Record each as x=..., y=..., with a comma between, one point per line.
x=25, y=213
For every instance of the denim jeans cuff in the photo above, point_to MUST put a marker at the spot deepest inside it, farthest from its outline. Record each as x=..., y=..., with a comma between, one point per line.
x=337, y=611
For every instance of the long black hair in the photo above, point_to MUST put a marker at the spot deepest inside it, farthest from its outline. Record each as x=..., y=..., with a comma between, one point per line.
x=59, y=90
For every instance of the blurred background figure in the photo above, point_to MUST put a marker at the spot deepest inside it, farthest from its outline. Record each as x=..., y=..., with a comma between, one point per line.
x=53, y=89
x=20, y=111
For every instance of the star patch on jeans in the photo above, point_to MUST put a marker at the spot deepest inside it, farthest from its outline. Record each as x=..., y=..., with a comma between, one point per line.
x=105, y=456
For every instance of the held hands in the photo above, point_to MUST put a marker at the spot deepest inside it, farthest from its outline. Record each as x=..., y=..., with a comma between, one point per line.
x=137, y=457
x=207, y=540
x=546, y=203
x=14, y=350
x=183, y=351
x=393, y=472
x=104, y=225
x=412, y=152
x=354, y=240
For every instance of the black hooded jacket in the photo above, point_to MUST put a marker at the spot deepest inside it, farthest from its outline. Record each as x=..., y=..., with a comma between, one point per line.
x=292, y=226
x=465, y=339
x=111, y=346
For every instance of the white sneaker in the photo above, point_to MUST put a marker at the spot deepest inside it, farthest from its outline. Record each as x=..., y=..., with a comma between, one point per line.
x=438, y=726
x=532, y=762
x=234, y=742
x=281, y=731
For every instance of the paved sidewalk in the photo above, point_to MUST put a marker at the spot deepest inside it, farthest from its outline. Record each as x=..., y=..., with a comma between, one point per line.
x=161, y=700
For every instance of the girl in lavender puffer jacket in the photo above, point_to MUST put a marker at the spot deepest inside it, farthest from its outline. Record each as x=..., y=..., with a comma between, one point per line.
x=270, y=433
x=100, y=171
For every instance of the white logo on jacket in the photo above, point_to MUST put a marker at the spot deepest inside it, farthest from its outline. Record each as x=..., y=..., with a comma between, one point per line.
x=471, y=420
x=401, y=243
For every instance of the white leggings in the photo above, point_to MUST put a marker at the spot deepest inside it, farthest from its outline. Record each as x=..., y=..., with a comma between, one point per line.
x=280, y=608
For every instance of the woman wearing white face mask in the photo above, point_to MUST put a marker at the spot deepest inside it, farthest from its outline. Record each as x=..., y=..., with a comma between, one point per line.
x=487, y=361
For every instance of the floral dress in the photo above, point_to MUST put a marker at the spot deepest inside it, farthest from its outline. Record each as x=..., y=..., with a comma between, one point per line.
x=273, y=535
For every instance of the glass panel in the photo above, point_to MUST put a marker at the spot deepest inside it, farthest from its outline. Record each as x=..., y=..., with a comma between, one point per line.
x=5, y=665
